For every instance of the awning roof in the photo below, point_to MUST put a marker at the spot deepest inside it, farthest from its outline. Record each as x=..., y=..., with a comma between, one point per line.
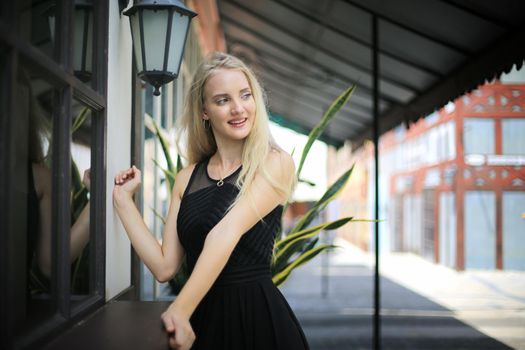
x=430, y=52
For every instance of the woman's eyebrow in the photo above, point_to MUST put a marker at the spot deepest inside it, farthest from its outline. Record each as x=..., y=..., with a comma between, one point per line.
x=220, y=95
x=226, y=95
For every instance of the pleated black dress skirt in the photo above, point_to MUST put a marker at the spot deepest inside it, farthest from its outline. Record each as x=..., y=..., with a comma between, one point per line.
x=243, y=310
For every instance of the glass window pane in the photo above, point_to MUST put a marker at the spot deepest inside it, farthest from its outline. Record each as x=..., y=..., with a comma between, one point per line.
x=80, y=194
x=447, y=229
x=513, y=230
x=480, y=230
x=33, y=187
x=36, y=24
x=513, y=136
x=476, y=129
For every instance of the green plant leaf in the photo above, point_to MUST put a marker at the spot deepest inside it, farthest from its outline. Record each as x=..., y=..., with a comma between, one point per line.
x=308, y=182
x=159, y=215
x=165, y=148
x=339, y=103
x=328, y=196
x=179, y=163
x=332, y=225
x=280, y=277
x=293, y=247
x=300, y=242
x=80, y=119
x=310, y=245
x=165, y=144
x=170, y=177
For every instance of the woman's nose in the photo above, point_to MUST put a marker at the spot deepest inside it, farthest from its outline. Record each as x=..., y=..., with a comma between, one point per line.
x=236, y=107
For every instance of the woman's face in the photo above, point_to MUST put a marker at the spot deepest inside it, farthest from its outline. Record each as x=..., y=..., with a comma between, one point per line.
x=229, y=104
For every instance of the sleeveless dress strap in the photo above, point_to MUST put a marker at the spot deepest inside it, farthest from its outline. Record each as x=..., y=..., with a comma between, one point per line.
x=192, y=177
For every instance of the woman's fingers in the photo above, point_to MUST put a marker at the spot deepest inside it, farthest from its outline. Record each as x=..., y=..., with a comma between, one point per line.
x=168, y=324
x=180, y=333
x=126, y=175
x=181, y=339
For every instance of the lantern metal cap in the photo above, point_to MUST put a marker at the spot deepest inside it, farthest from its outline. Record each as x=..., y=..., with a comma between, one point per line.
x=160, y=4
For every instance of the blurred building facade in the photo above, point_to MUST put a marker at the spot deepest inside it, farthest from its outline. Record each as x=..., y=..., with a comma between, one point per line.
x=451, y=186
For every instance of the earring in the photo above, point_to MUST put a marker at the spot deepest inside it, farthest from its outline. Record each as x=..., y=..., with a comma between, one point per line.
x=206, y=124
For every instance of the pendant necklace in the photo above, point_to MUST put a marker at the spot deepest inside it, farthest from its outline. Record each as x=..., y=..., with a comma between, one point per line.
x=221, y=181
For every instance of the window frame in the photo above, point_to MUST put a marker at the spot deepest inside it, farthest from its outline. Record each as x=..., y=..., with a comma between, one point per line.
x=58, y=72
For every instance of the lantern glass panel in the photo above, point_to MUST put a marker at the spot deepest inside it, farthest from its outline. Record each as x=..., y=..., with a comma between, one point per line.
x=179, y=25
x=137, y=43
x=83, y=41
x=155, y=31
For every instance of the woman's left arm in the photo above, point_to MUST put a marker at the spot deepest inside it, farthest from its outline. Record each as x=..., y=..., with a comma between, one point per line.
x=223, y=238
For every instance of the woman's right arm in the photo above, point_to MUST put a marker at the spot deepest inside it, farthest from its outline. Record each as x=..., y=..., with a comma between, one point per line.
x=163, y=260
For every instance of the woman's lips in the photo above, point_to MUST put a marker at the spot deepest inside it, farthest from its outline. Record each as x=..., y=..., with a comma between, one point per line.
x=238, y=123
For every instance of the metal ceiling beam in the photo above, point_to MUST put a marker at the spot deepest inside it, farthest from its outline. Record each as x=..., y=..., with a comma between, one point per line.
x=346, y=123
x=338, y=128
x=290, y=124
x=298, y=56
x=231, y=39
x=276, y=77
x=326, y=102
x=390, y=55
x=476, y=13
x=401, y=85
x=339, y=117
x=315, y=37
x=442, y=42
x=490, y=63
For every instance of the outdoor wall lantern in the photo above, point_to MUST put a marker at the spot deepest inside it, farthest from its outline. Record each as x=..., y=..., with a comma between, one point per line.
x=82, y=37
x=159, y=29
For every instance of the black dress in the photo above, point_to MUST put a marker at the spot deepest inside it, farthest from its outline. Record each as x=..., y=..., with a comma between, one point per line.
x=243, y=309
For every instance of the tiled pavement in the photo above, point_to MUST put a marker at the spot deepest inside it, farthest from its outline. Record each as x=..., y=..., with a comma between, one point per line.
x=424, y=306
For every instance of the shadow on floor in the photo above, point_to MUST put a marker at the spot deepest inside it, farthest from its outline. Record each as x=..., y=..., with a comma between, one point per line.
x=343, y=318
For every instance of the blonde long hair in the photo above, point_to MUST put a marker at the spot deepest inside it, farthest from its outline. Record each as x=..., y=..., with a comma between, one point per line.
x=200, y=142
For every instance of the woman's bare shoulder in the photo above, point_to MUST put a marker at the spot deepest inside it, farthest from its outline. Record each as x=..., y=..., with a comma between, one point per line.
x=280, y=162
x=42, y=179
x=183, y=178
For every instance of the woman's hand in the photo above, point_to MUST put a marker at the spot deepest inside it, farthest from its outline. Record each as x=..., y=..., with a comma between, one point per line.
x=127, y=182
x=86, y=180
x=180, y=333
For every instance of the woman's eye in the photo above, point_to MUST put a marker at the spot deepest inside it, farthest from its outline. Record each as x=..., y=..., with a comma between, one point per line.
x=221, y=101
x=246, y=96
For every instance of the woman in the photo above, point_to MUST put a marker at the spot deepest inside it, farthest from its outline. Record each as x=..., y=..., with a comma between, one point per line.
x=224, y=215
x=31, y=126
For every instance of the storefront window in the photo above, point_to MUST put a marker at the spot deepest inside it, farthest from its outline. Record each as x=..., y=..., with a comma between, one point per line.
x=476, y=129
x=480, y=230
x=513, y=136
x=513, y=229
